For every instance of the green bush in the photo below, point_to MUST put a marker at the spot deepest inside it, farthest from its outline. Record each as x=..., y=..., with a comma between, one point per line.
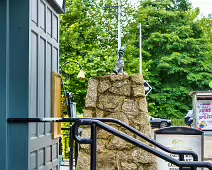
x=65, y=140
x=178, y=122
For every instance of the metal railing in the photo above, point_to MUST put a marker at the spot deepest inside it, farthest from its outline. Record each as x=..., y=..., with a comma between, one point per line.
x=100, y=122
x=73, y=151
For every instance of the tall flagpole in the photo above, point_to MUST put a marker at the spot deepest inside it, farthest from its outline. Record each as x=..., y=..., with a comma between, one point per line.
x=140, y=49
x=119, y=25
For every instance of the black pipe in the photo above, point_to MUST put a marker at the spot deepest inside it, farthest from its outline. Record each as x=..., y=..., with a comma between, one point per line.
x=93, y=146
x=162, y=147
x=138, y=144
x=131, y=129
x=71, y=145
x=181, y=158
x=76, y=153
x=65, y=146
x=65, y=128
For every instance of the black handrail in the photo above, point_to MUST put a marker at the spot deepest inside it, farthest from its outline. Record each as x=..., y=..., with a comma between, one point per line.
x=162, y=147
x=92, y=141
x=181, y=153
x=73, y=148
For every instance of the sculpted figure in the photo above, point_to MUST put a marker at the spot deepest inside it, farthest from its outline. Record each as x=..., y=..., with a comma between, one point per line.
x=119, y=69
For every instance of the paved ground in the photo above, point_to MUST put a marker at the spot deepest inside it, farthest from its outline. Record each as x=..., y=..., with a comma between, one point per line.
x=64, y=168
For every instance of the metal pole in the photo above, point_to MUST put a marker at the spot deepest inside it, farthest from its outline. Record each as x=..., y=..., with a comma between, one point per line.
x=76, y=153
x=140, y=49
x=65, y=146
x=119, y=24
x=181, y=159
x=195, y=168
x=71, y=145
x=93, y=146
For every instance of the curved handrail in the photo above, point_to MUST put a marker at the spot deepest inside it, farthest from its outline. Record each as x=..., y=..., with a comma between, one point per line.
x=136, y=142
x=108, y=120
x=162, y=147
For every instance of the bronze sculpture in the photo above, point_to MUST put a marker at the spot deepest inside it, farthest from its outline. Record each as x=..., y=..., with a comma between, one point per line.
x=119, y=69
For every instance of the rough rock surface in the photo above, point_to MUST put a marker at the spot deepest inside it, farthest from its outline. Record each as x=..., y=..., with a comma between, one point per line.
x=121, y=97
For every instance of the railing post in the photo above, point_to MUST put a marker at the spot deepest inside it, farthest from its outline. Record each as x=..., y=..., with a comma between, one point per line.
x=194, y=168
x=65, y=145
x=71, y=145
x=93, y=146
x=76, y=153
x=181, y=158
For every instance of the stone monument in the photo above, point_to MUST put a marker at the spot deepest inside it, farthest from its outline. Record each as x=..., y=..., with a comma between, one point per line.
x=121, y=97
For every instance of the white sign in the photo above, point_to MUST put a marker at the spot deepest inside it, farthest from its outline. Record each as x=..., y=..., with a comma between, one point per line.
x=179, y=142
x=147, y=88
x=204, y=114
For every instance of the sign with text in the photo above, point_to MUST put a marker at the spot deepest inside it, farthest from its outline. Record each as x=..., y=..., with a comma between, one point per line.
x=179, y=142
x=204, y=114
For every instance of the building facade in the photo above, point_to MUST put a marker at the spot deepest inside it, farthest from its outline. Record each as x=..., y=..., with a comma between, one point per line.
x=29, y=50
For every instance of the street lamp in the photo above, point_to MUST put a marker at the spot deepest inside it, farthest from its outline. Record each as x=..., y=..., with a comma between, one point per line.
x=81, y=74
x=71, y=106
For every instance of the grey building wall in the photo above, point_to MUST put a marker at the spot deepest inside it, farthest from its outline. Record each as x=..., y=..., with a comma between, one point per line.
x=44, y=47
x=29, y=50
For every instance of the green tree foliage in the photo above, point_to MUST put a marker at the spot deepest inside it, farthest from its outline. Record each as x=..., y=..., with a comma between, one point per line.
x=176, y=52
x=88, y=35
x=176, y=55
x=206, y=24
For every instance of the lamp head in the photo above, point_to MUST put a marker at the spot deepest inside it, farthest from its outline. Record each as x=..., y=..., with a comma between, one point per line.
x=81, y=74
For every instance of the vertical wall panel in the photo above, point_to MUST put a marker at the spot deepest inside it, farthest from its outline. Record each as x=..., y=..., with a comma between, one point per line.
x=34, y=11
x=33, y=83
x=55, y=151
x=41, y=158
x=55, y=27
x=42, y=16
x=48, y=85
x=33, y=161
x=49, y=21
x=41, y=83
x=48, y=154
x=54, y=59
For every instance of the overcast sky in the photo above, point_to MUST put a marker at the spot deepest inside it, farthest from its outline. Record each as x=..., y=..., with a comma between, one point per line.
x=204, y=5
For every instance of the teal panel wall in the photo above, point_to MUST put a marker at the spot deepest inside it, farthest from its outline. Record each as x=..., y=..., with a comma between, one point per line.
x=29, y=52
x=3, y=83
x=18, y=79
